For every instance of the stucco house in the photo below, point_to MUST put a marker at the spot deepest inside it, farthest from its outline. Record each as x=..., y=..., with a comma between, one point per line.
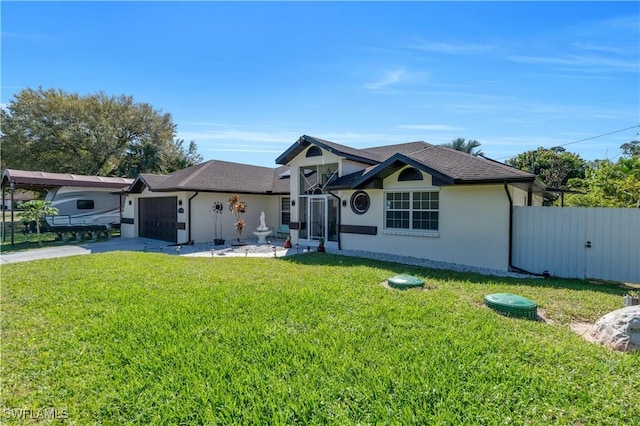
x=178, y=207
x=413, y=199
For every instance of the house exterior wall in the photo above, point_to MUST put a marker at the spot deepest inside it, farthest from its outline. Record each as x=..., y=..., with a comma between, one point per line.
x=131, y=211
x=473, y=225
x=202, y=229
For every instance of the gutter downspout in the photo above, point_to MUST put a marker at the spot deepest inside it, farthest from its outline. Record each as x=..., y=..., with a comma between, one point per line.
x=511, y=266
x=191, y=198
x=339, y=217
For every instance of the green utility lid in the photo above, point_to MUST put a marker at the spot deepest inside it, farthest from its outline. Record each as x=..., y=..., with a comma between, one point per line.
x=512, y=305
x=405, y=281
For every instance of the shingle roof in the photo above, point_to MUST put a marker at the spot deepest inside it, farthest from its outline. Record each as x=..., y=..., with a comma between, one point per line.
x=463, y=167
x=218, y=176
x=447, y=165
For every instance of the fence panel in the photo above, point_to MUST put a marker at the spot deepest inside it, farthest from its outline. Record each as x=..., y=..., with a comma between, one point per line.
x=577, y=242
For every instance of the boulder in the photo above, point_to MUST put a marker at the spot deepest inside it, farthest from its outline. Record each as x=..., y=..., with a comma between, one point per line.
x=619, y=329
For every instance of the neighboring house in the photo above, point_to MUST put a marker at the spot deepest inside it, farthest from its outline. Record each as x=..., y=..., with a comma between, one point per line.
x=412, y=199
x=178, y=207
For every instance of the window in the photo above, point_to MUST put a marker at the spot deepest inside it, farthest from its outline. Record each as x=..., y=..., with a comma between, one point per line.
x=412, y=210
x=409, y=174
x=84, y=204
x=314, y=151
x=360, y=202
x=285, y=210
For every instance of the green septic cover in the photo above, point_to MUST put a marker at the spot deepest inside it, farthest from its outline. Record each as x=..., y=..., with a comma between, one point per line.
x=405, y=281
x=512, y=305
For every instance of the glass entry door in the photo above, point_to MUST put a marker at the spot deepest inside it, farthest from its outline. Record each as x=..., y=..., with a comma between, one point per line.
x=317, y=218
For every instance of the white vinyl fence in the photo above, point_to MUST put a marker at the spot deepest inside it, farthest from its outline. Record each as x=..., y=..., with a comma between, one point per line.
x=577, y=242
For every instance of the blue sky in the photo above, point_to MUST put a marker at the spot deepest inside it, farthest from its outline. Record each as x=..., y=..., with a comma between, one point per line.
x=244, y=80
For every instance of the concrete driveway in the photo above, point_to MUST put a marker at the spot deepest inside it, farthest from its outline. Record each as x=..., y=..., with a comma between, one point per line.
x=114, y=244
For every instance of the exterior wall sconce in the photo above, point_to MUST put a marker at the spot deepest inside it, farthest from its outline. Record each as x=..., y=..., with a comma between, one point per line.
x=344, y=203
x=293, y=203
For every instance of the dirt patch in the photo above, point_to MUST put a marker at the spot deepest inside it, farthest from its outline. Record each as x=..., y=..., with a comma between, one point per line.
x=584, y=329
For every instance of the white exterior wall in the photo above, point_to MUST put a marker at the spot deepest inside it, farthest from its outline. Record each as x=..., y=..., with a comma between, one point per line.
x=473, y=225
x=202, y=220
x=131, y=211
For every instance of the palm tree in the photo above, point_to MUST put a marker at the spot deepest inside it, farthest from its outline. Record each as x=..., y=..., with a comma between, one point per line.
x=460, y=144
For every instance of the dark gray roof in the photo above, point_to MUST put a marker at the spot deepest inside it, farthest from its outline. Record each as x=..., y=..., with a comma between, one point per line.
x=217, y=176
x=446, y=165
x=465, y=168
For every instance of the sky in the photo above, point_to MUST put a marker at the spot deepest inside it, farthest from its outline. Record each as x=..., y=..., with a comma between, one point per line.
x=245, y=80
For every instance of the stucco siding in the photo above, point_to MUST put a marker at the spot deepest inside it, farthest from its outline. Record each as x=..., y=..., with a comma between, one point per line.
x=202, y=229
x=201, y=225
x=473, y=228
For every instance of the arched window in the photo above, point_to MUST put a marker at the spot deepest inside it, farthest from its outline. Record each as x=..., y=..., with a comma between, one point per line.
x=410, y=173
x=314, y=151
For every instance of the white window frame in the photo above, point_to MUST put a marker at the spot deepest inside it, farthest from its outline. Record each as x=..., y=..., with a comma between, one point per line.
x=410, y=231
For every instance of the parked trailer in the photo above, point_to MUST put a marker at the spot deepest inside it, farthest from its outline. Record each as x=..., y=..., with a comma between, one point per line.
x=84, y=207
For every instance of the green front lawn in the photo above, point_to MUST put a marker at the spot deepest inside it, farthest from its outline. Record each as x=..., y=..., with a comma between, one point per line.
x=141, y=338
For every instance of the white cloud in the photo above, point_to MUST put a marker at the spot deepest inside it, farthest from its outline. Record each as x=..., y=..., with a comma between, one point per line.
x=431, y=127
x=390, y=78
x=450, y=48
x=590, y=63
x=278, y=137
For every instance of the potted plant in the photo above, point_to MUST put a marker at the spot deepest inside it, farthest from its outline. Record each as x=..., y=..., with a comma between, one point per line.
x=216, y=211
x=321, y=248
x=287, y=242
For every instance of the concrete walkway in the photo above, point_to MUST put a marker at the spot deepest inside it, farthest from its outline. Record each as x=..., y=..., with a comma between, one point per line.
x=142, y=245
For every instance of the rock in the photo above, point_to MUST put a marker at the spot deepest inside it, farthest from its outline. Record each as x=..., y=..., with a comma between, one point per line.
x=619, y=329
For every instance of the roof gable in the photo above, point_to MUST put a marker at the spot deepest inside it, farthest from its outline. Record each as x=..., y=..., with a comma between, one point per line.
x=305, y=141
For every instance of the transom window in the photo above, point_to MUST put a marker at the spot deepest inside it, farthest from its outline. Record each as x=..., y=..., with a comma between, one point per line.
x=412, y=210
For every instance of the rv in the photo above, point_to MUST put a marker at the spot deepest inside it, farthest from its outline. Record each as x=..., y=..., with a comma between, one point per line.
x=85, y=207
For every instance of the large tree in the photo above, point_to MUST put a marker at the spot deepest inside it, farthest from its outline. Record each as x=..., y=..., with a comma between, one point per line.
x=96, y=134
x=460, y=144
x=555, y=166
x=609, y=184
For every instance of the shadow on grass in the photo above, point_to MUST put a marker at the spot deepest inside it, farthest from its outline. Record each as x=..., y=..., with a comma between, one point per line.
x=49, y=239
x=446, y=275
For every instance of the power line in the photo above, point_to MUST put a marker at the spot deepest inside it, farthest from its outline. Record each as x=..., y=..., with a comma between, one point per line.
x=590, y=138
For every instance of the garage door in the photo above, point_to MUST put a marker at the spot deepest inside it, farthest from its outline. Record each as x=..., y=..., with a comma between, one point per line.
x=159, y=218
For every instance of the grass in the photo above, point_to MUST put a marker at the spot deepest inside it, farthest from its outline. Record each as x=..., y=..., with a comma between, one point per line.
x=141, y=338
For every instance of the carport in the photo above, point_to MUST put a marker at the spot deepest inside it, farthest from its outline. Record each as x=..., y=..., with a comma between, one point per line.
x=13, y=179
